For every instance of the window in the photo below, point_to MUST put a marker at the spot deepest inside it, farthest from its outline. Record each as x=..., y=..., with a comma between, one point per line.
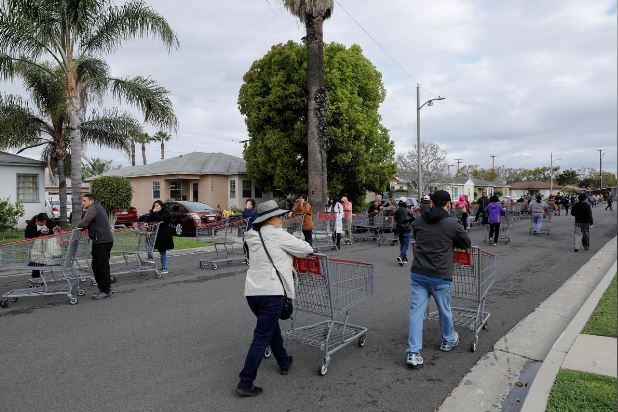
x=232, y=189
x=246, y=188
x=175, y=189
x=455, y=190
x=156, y=189
x=28, y=188
x=258, y=193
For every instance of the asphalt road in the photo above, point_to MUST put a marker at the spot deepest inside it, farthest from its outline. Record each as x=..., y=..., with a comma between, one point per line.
x=178, y=343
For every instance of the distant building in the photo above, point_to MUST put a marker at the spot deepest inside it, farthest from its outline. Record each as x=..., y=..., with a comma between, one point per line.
x=532, y=187
x=473, y=187
x=217, y=179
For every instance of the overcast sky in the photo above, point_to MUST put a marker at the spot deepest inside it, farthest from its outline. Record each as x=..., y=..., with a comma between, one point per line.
x=521, y=78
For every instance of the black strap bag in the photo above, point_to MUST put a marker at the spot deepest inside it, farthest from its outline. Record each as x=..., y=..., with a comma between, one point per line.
x=288, y=306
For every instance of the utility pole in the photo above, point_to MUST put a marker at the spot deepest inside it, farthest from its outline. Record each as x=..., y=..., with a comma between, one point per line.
x=449, y=169
x=458, y=162
x=493, y=162
x=419, y=174
x=551, y=173
x=600, y=169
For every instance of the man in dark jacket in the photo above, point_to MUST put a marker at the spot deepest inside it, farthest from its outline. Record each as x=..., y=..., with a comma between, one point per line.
x=436, y=234
x=482, y=204
x=100, y=233
x=403, y=221
x=583, y=223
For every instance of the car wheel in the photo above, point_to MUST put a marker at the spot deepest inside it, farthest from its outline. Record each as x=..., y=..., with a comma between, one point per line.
x=178, y=229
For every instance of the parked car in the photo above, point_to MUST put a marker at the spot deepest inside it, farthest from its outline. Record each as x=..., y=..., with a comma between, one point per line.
x=187, y=216
x=52, y=206
x=126, y=216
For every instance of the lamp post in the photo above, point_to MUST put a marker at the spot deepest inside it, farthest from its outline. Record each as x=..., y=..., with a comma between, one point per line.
x=551, y=172
x=419, y=106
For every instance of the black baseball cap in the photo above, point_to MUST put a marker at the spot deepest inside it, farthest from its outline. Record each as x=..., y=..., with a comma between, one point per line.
x=441, y=196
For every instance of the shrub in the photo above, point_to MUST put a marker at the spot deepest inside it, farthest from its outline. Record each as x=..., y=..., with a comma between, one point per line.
x=113, y=192
x=10, y=213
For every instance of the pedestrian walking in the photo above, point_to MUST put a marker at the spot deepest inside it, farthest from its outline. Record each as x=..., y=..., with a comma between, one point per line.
x=436, y=233
x=566, y=203
x=165, y=239
x=337, y=209
x=39, y=225
x=583, y=223
x=482, y=204
x=609, y=203
x=100, y=233
x=494, y=211
x=558, y=202
x=403, y=226
x=270, y=248
x=537, y=210
x=302, y=206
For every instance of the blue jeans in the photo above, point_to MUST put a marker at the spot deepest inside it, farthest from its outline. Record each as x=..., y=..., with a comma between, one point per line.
x=404, y=242
x=267, y=333
x=537, y=222
x=163, y=254
x=420, y=297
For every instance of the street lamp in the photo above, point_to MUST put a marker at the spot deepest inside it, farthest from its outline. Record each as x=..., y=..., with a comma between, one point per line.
x=551, y=172
x=419, y=106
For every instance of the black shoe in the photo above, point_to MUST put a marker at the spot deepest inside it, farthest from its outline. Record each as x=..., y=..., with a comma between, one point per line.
x=285, y=371
x=574, y=250
x=254, y=391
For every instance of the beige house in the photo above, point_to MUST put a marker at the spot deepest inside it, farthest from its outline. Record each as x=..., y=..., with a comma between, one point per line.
x=473, y=188
x=217, y=179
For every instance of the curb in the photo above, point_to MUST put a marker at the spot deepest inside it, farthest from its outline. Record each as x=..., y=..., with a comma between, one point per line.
x=519, y=353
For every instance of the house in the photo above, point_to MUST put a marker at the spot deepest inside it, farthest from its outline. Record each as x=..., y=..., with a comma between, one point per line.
x=473, y=187
x=533, y=187
x=23, y=180
x=218, y=179
x=51, y=186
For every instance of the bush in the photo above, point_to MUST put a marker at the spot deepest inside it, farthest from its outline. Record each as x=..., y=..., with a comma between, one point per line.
x=113, y=192
x=10, y=213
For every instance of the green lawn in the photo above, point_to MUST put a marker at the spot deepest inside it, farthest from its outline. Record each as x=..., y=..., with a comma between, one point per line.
x=188, y=242
x=582, y=391
x=11, y=236
x=602, y=322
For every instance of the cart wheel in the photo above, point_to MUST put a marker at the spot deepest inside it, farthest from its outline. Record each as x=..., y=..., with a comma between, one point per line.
x=14, y=299
x=143, y=273
x=473, y=344
x=112, y=279
x=4, y=303
x=322, y=369
x=81, y=292
x=73, y=300
x=361, y=341
x=268, y=353
x=157, y=274
x=247, y=262
x=214, y=266
x=94, y=283
x=485, y=325
x=392, y=243
x=229, y=262
x=82, y=280
x=201, y=265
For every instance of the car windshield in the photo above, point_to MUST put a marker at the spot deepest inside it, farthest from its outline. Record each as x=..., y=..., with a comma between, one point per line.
x=197, y=207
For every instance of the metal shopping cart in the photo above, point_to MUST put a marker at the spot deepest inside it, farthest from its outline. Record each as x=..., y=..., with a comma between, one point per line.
x=362, y=227
x=506, y=221
x=294, y=224
x=323, y=231
x=227, y=239
x=546, y=226
x=136, y=246
x=53, y=256
x=329, y=287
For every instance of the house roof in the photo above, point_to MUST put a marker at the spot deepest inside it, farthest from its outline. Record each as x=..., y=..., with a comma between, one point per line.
x=195, y=163
x=16, y=160
x=532, y=184
x=475, y=182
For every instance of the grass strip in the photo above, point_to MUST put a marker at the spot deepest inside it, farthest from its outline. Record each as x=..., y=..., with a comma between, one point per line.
x=602, y=322
x=582, y=391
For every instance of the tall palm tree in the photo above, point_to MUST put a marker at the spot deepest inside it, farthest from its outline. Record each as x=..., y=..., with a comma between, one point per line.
x=313, y=13
x=75, y=35
x=143, y=139
x=22, y=127
x=162, y=137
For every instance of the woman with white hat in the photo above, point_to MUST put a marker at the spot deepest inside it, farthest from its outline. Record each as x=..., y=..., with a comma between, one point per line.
x=269, y=282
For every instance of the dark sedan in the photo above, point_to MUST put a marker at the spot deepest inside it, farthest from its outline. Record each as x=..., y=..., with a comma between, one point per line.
x=186, y=216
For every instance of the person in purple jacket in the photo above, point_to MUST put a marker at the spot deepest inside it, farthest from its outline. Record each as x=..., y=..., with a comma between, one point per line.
x=494, y=211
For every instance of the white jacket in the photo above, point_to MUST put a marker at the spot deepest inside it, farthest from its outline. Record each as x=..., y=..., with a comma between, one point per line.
x=338, y=210
x=261, y=277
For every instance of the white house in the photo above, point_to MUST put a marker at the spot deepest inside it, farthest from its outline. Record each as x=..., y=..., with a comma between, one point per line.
x=23, y=180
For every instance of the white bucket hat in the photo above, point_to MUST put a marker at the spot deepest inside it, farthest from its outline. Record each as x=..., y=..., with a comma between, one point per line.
x=268, y=209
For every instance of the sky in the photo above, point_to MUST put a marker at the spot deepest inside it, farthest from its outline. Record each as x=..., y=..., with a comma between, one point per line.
x=522, y=78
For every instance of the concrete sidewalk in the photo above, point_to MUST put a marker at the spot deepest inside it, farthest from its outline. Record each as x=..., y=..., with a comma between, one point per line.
x=594, y=354
x=539, y=342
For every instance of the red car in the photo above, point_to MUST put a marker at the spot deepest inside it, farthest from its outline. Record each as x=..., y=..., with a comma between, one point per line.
x=126, y=216
x=186, y=216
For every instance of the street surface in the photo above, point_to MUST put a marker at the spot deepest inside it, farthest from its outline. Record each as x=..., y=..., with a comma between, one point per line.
x=178, y=343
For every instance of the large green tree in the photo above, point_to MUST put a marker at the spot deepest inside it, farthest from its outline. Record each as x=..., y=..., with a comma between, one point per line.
x=75, y=35
x=273, y=99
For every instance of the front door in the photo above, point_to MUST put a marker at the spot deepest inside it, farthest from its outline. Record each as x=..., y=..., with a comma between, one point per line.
x=194, y=191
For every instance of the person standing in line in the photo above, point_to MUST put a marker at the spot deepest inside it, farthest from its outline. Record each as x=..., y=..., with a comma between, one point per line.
x=566, y=202
x=558, y=202
x=462, y=209
x=609, y=201
x=403, y=226
x=347, y=217
x=482, y=204
x=494, y=211
x=337, y=209
x=425, y=205
x=537, y=210
x=165, y=239
x=302, y=206
x=268, y=280
x=39, y=225
x=249, y=213
x=436, y=234
x=583, y=223
x=100, y=233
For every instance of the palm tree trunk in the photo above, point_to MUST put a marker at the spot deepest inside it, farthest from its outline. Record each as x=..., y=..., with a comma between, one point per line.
x=144, y=153
x=74, y=111
x=62, y=191
x=132, y=153
x=317, y=141
x=162, y=150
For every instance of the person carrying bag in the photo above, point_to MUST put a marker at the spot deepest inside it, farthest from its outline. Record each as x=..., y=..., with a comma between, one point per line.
x=269, y=289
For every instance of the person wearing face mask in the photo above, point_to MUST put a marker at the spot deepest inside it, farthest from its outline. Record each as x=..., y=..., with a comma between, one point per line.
x=38, y=226
x=165, y=238
x=249, y=213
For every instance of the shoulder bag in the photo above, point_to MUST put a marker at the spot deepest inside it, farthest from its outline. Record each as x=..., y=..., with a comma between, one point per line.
x=288, y=307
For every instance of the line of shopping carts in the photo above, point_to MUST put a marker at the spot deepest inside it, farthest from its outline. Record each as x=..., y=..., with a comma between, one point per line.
x=372, y=227
x=227, y=239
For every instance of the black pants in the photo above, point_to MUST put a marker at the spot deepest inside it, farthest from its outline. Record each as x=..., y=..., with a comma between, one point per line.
x=482, y=213
x=494, y=230
x=609, y=206
x=308, y=236
x=100, y=265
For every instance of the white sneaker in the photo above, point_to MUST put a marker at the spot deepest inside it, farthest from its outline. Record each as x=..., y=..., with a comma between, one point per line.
x=164, y=271
x=414, y=360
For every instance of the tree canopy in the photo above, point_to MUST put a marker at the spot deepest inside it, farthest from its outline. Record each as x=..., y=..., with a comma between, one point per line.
x=274, y=103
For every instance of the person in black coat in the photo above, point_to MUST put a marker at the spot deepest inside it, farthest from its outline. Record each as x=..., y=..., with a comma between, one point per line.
x=583, y=223
x=39, y=225
x=165, y=239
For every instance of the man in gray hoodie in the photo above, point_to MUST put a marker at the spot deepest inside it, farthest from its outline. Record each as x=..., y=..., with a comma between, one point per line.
x=100, y=233
x=436, y=234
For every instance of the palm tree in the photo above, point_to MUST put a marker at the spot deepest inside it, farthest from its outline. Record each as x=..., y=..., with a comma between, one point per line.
x=143, y=139
x=75, y=35
x=162, y=137
x=313, y=13
x=22, y=127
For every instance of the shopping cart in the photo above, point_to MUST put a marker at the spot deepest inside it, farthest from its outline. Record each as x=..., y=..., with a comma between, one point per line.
x=506, y=221
x=294, y=224
x=329, y=287
x=227, y=239
x=546, y=226
x=323, y=231
x=53, y=256
x=362, y=227
x=474, y=273
x=136, y=246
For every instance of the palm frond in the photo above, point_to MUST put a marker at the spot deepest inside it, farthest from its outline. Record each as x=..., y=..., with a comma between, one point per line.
x=161, y=136
x=93, y=74
x=46, y=91
x=134, y=18
x=304, y=8
x=149, y=97
x=20, y=127
x=110, y=129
